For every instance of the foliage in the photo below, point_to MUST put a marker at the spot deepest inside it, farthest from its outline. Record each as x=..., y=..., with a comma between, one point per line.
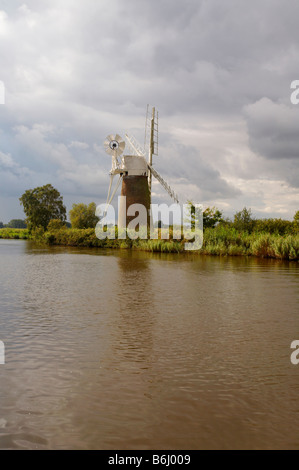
x=262, y=245
x=16, y=233
x=243, y=220
x=274, y=226
x=78, y=237
x=268, y=238
x=17, y=223
x=41, y=205
x=83, y=216
x=228, y=241
x=211, y=216
x=161, y=246
x=37, y=234
x=220, y=241
x=56, y=224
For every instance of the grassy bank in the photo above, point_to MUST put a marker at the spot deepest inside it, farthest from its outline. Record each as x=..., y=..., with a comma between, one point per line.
x=219, y=241
x=14, y=233
x=228, y=241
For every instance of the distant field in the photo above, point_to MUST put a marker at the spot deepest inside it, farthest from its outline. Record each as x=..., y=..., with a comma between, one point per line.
x=15, y=233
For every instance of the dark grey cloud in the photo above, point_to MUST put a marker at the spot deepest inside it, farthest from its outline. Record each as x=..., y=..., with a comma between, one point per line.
x=273, y=129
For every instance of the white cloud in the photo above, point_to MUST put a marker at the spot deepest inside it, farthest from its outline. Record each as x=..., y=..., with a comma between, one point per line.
x=78, y=145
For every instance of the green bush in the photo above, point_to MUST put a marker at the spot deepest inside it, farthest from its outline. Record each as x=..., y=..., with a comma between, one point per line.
x=38, y=234
x=56, y=224
x=243, y=220
x=14, y=233
x=274, y=226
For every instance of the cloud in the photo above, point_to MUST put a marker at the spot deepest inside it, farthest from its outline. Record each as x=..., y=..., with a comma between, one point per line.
x=13, y=176
x=193, y=176
x=78, y=145
x=219, y=73
x=7, y=164
x=273, y=129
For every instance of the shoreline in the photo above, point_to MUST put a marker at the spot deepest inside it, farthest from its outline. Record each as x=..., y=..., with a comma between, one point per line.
x=216, y=242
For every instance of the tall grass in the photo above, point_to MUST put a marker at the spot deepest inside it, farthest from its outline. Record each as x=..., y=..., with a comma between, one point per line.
x=219, y=241
x=228, y=241
x=78, y=237
x=160, y=246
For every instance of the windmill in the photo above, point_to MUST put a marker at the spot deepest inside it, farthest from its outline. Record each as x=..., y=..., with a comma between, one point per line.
x=134, y=170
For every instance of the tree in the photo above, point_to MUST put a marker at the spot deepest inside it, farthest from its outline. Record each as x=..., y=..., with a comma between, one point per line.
x=296, y=218
x=83, y=215
x=211, y=216
x=41, y=205
x=278, y=226
x=17, y=223
x=1, y=225
x=243, y=220
x=56, y=224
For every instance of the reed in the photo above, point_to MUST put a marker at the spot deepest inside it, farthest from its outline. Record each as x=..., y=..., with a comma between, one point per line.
x=218, y=241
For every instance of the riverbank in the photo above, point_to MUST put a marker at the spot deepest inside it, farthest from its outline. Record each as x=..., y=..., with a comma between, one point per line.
x=14, y=233
x=219, y=241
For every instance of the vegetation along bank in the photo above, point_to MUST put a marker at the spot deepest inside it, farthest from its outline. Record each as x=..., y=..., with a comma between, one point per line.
x=242, y=236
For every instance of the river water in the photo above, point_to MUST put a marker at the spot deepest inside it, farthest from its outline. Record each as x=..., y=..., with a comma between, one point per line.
x=132, y=350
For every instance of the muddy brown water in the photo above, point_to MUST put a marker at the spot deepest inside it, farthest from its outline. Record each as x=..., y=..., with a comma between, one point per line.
x=132, y=350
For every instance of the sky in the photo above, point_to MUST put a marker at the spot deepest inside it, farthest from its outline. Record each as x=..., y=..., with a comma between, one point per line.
x=219, y=73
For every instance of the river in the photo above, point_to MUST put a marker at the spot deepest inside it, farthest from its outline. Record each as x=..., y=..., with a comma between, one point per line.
x=134, y=350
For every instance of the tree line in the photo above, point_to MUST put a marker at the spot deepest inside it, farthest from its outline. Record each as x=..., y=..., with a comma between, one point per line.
x=243, y=221
x=44, y=208
x=14, y=223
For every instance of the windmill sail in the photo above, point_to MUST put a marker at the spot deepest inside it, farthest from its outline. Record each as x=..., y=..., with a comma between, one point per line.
x=165, y=185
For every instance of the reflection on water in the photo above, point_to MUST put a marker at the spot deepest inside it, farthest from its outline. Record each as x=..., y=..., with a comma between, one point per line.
x=128, y=350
